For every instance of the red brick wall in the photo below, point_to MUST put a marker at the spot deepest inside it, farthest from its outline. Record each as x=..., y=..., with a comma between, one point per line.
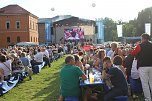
x=25, y=32
x=41, y=30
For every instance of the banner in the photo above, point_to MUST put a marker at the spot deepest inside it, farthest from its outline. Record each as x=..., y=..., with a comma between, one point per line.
x=48, y=32
x=119, y=30
x=100, y=30
x=148, y=28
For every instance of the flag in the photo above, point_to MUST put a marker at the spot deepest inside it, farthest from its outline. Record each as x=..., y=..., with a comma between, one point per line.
x=148, y=28
x=119, y=30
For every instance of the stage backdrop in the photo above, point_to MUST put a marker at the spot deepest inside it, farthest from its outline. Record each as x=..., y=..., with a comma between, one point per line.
x=74, y=33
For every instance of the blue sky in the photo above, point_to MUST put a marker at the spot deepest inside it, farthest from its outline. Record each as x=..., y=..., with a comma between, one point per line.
x=116, y=9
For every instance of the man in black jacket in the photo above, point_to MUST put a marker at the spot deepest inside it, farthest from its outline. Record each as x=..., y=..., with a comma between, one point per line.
x=143, y=52
x=118, y=82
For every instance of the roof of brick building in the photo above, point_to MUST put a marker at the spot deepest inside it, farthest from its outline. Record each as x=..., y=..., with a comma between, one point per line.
x=14, y=9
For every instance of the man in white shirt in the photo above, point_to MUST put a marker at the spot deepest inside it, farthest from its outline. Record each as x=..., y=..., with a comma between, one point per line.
x=38, y=58
x=46, y=57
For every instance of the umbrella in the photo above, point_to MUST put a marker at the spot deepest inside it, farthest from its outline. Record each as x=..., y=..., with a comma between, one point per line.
x=88, y=47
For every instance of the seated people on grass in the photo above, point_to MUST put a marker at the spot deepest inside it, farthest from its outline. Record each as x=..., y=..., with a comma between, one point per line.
x=5, y=66
x=69, y=76
x=46, y=57
x=26, y=64
x=38, y=58
x=116, y=77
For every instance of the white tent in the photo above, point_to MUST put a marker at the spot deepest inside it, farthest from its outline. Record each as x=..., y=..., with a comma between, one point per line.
x=27, y=44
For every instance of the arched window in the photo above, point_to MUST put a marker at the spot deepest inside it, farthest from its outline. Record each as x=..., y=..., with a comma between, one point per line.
x=8, y=39
x=7, y=24
x=17, y=24
x=18, y=39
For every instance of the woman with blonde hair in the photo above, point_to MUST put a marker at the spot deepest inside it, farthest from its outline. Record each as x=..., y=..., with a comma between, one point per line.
x=98, y=64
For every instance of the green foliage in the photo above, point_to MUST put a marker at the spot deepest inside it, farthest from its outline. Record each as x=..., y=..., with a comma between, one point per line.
x=130, y=29
x=110, y=29
x=145, y=16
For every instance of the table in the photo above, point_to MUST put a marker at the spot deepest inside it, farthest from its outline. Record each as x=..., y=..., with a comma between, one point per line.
x=86, y=83
x=86, y=86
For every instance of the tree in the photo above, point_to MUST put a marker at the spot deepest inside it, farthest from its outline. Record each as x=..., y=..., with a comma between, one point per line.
x=129, y=30
x=145, y=16
x=110, y=29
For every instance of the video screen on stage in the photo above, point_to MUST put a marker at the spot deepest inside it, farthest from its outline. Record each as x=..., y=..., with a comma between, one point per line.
x=74, y=34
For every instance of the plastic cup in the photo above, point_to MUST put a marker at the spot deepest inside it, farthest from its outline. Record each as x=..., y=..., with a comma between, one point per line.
x=91, y=78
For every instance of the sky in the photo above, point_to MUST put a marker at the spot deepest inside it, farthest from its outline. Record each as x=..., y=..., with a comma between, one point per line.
x=123, y=10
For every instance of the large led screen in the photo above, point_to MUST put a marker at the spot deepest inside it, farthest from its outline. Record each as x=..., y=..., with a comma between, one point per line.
x=73, y=34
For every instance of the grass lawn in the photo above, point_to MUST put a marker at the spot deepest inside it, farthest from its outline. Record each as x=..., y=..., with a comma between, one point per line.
x=43, y=87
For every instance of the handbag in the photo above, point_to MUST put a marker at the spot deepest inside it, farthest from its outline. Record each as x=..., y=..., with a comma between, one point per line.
x=134, y=70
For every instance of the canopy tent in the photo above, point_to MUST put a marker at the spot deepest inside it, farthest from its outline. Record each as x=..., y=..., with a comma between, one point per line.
x=26, y=44
x=88, y=47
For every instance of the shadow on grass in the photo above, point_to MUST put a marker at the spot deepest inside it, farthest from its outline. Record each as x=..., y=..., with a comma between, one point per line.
x=52, y=90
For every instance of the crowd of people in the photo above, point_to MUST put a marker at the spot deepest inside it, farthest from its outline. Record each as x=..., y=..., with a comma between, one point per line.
x=115, y=63
x=17, y=60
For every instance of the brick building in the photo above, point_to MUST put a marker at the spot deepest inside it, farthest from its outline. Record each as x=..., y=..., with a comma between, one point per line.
x=42, y=31
x=17, y=25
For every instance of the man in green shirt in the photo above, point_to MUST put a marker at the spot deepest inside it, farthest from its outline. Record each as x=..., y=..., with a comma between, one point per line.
x=69, y=75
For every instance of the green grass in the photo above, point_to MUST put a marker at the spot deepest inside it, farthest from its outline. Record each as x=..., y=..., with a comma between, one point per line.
x=43, y=87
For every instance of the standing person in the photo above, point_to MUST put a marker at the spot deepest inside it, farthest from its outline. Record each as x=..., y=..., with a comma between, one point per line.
x=135, y=84
x=115, y=50
x=143, y=52
x=69, y=75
